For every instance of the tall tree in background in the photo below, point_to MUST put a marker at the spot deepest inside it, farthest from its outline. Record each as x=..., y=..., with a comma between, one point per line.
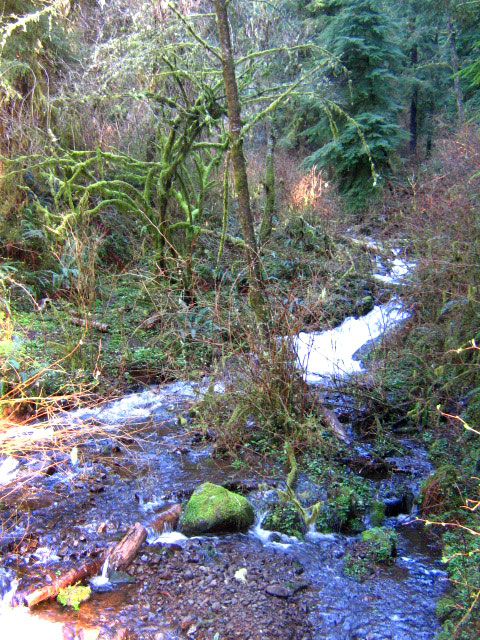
x=466, y=39
x=458, y=29
x=257, y=297
x=367, y=133
x=451, y=30
x=424, y=73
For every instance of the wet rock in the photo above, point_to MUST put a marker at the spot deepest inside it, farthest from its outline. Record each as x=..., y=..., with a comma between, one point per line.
x=393, y=506
x=98, y=488
x=214, y=509
x=186, y=622
x=203, y=436
x=243, y=485
x=279, y=591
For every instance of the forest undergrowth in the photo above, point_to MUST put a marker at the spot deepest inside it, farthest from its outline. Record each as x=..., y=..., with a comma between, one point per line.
x=91, y=320
x=102, y=292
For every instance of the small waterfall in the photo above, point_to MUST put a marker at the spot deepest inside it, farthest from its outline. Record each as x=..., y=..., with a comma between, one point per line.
x=101, y=581
x=105, y=569
x=8, y=589
x=9, y=468
x=167, y=527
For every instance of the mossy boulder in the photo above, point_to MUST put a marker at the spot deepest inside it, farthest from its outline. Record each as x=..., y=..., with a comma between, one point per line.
x=342, y=512
x=382, y=543
x=377, y=513
x=214, y=509
x=378, y=545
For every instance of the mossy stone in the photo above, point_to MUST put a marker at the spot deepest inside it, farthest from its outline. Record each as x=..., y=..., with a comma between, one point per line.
x=378, y=545
x=214, y=509
x=342, y=512
x=285, y=519
x=382, y=543
x=377, y=513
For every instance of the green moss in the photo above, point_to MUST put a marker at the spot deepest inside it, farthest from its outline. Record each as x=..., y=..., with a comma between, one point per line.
x=382, y=543
x=343, y=510
x=285, y=519
x=378, y=545
x=214, y=509
x=444, y=608
x=73, y=596
x=377, y=513
x=357, y=567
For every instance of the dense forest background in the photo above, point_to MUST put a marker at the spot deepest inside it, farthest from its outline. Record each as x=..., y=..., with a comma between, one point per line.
x=134, y=250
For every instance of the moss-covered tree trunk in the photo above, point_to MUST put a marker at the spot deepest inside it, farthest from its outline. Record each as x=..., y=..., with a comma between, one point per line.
x=257, y=296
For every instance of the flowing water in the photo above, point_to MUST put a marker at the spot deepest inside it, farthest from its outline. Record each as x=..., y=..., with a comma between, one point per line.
x=329, y=355
x=85, y=498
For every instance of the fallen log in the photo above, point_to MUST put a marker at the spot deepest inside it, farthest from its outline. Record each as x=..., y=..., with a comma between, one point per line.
x=333, y=423
x=83, y=322
x=73, y=576
x=119, y=556
x=122, y=554
x=167, y=520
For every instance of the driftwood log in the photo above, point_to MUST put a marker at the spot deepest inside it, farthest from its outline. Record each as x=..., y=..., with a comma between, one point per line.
x=82, y=322
x=333, y=423
x=167, y=519
x=119, y=556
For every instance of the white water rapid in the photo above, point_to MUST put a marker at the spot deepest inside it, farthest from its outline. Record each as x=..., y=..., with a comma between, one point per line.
x=327, y=355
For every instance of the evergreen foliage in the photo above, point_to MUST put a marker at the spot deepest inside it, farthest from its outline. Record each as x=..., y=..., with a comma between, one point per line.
x=365, y=131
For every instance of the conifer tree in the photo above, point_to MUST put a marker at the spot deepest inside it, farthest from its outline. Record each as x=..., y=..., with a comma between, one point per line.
x=366, y=133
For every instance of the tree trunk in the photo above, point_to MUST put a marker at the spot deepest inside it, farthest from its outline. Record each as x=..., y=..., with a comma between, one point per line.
x=256, y=296
x=269, y=184
x=431, y=107
x=429, y=143
x=414, y=105
x=454, y=60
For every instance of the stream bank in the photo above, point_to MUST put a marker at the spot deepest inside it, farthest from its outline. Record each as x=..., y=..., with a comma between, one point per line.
x=187, y=587
x=141, y=455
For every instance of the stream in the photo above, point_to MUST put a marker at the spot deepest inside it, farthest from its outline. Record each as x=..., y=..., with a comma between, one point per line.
x=142, y=458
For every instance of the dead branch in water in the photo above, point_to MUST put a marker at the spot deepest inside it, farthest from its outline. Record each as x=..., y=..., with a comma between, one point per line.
x=119, y=556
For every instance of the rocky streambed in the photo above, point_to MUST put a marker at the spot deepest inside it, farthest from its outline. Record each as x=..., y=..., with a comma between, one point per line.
x=134, y=459
x=257, y=584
